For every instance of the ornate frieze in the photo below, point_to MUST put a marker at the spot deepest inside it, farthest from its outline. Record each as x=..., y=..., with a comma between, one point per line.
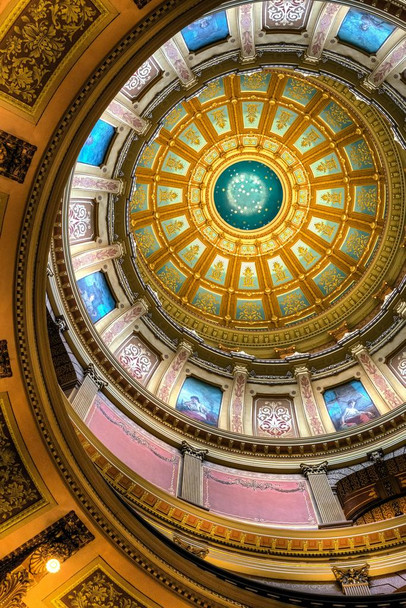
x=35, y=31
x=197, y=550
x=99, y=585
x=15, y=154
x=5, y=367
x=19, y=494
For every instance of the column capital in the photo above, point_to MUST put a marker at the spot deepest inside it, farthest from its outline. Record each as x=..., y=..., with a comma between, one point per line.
x=314, y=469
x=186, y=448
x=184, y=345
x=358, y=349
x=301, y=370
x=240, y=369
x=143, y=304
x=93, y=375
x=400, y=309
x=355, y=576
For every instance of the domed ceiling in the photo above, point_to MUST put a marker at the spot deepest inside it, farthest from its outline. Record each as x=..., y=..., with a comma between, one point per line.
x=259, y=203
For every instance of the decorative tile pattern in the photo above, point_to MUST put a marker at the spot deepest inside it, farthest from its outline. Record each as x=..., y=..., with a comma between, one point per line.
x=141, y=79
x=19, y=494
x=171, y=277
x=138, y=359
x=289, y=14
x=250, y=310
x=146, y=240
x=274, y=417
x=81, y=221
x=207, y=301
x=397, y=363
x=15, y=155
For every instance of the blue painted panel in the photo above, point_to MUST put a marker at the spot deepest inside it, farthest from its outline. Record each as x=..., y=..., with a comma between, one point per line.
x=205, y=31
x=96, y=145
x=365, y=31
x=349, y=405
x=96, y=295
x=200, y=401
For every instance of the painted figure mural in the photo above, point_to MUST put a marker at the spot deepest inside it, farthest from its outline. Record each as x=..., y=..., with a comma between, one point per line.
x=200, y=401
x=205, y=31
x=96, y=295
x=95, y=147
x=349, y=405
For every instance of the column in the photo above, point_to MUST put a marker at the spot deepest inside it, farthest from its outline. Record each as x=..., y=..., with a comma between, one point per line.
x=330, y=511
x=88, y=258
x=192, y=480
x=391, y=61
x=127, y=116
x=353, y=581
x=174, y=370
x=391, y=398
x=237, y=399
x=137, y=310
x=88, y=390
x=309, y=401
x=246, y=30
x=178, y=63
x=321, y=32
x=96, y=184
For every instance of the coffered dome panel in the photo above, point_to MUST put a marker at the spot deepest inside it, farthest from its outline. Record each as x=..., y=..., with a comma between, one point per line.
x=259, y=202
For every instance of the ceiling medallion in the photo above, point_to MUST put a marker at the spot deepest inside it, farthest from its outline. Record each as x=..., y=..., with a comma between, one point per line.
x=259, y=204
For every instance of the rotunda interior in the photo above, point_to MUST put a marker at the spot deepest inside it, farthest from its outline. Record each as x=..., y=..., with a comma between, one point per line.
x=202, y=218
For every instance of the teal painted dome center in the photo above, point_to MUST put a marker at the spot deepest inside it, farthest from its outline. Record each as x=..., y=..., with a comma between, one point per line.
x=248, y=195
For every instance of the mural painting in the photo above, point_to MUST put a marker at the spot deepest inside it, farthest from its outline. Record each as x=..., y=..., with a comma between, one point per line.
x=95, y=147
x=365, y=31
x=96, y=295
x=205, y=31
x=200, y=401
x=349, y=405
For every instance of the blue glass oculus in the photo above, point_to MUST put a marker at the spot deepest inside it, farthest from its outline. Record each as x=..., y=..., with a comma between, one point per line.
x=248, y=195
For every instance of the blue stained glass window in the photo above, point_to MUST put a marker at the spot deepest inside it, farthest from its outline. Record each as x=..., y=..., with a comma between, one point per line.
x=96, y=295
x=205, y=31
x=365, y=31
x=96, y=145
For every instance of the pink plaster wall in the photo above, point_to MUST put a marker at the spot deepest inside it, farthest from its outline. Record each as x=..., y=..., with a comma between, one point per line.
x=259, y=497
x=147, y=456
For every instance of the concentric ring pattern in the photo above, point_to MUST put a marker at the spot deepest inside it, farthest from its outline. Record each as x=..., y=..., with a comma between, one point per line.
x=313, y=250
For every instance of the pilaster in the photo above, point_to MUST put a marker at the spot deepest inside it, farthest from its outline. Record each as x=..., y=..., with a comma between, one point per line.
x=88, y=390
x=237, y=399
x=192, y=479
x=391, y=398
x=353, y=581
x=328, y=506
x=174, y=370
x=311, y=410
